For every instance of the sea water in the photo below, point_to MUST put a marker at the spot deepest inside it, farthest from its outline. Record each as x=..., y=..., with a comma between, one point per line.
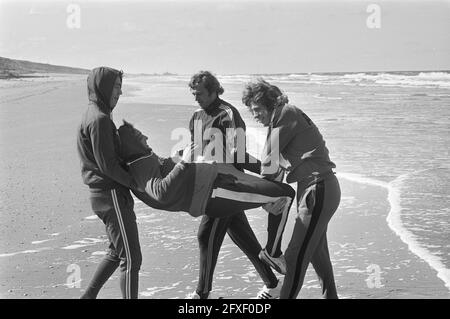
x=386, y=129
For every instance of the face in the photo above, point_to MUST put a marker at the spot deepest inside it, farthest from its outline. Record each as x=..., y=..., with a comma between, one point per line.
x=141, y=138
x=202, y=96
x=261, y=114
x=116, y=92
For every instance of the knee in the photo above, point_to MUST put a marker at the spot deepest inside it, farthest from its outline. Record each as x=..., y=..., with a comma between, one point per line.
x=132, y=262
x=203, y=237
x=289, y=191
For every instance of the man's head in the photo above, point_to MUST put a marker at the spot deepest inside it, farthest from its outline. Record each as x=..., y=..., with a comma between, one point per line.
x=133, y=142
x=205, y=87
x=262, y=98
x=104, y=87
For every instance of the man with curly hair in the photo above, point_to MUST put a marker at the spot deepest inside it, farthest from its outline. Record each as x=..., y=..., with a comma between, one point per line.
x=294, y=141
x=218, y=116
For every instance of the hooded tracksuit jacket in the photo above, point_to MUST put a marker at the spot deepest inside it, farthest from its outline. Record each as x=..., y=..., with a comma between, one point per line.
x=102, y=170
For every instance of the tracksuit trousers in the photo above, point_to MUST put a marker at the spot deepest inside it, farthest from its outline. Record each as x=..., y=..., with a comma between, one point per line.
x=316, y=205
x=231, y=195
x=115, y=208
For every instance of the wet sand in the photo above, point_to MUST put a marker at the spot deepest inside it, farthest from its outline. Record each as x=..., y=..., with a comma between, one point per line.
x=49, y=234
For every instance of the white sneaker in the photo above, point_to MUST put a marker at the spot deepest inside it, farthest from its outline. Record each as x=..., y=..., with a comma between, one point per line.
x=270, y=293
x=277, y=263
x=195, y=295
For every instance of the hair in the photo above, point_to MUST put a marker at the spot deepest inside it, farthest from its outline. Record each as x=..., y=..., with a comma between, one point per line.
x=263, y=93
x=127, y=124
x=130, y=146
x=209, y=81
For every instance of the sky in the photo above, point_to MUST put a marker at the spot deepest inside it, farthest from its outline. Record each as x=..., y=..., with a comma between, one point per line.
x=230, y=37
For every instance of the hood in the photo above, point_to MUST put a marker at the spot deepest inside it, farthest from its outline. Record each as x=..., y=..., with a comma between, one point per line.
x=100, y=83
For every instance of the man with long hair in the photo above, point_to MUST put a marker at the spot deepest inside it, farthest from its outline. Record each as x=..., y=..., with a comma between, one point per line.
x=216, y=115
x=295, y=141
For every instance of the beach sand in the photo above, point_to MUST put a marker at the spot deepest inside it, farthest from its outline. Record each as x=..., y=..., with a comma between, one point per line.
x=49, y=233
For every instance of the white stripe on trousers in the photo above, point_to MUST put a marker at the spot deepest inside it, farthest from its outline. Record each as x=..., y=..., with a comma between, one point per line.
x=243, y=196
x=284, y=215
x=256, y=198
x=210, y=251
x=125, y=244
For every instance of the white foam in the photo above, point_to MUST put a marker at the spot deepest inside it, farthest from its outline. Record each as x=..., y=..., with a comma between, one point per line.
x=153, y=290
x=99, y=253
x=394, y=216
x=36, y=242
x=84, y=242
x=394, y=221
x=362, y=179
x=73, y=246
x=30, y=251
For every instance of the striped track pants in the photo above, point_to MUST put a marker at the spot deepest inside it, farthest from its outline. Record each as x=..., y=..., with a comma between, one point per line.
x=115, y=208
x=316, y=205
x=232, y=194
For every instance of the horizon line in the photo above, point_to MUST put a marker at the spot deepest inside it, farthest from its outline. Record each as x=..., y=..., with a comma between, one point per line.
x=169, y=73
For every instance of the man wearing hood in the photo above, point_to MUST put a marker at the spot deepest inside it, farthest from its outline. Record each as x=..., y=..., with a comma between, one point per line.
x=109, y=183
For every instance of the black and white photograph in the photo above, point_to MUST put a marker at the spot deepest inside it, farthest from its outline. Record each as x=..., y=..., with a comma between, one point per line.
x=225, y=149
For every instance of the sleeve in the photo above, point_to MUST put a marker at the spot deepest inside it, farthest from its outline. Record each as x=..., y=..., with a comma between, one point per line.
x=277, y=139
x=191, y=127
x=102, y=140
x=237, y=144
x=251, y=163
x=231, y=127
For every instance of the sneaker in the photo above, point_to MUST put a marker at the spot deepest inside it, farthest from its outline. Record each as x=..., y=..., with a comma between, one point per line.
x=270, y=293
x=277, y=263
x=195, y=295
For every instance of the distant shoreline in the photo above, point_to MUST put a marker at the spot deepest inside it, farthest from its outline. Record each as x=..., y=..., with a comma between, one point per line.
x=11, y=68
x=10, y=76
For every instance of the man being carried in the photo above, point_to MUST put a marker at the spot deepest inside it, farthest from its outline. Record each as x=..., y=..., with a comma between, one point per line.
x=199, y=187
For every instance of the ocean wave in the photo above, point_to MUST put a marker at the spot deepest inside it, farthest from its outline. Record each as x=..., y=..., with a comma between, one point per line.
x=393, y=218
x=144, y=83
x=395, y=223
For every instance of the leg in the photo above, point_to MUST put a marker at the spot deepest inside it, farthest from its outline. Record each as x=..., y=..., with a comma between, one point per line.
x=102, y=205
x=238, y=191
x=316, y=206
x=105, y=269
x=322, y=265
x=126, y=242
x=211, y=233
x=235, y=193
x=243, y=236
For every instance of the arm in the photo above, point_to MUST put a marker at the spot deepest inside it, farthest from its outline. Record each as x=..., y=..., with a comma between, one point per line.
x=277, y=140
x=237, y=144
x=251, y=163
x=102, y=139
